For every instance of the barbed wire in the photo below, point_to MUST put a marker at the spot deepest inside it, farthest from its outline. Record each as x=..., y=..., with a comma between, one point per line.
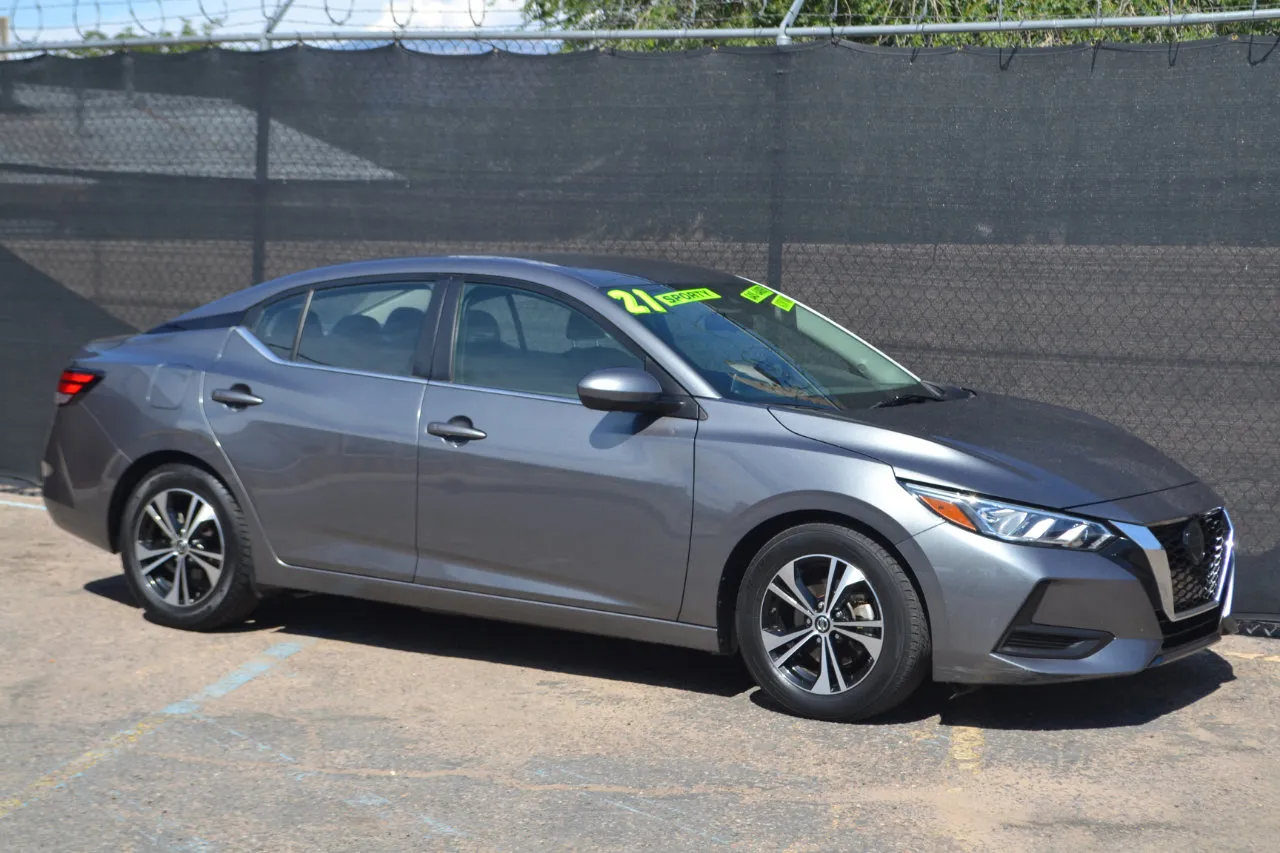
x=339, y=22
x=34, y=24
x=204, y=13
x=134, y=15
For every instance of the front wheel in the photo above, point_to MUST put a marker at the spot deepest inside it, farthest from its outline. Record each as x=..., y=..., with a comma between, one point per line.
x=830, y=624
x=185, y=550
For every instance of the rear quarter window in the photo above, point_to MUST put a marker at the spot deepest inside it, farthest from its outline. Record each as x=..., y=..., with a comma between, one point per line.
x=277, y=324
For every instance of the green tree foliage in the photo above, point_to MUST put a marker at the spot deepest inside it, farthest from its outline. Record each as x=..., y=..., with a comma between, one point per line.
x=675, y=14
x=188, y=31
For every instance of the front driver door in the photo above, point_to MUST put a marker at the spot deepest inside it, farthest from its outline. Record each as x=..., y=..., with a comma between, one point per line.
x=326, y=440
x=557, y=502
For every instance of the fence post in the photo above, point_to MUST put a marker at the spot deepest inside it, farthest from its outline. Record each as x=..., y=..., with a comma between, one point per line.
x=272, y=23
x=787, y=21
x=261, y=163
x=6, y=82
x=778, y=165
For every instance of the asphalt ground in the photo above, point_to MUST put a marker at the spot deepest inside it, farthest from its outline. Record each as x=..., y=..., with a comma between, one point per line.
x=336, y=725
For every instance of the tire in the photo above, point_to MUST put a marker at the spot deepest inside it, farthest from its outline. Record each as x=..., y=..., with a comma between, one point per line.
x=868, y=669
x=212, y=592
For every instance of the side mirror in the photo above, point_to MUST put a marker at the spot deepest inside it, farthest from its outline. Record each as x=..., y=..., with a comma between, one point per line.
x=623, y=389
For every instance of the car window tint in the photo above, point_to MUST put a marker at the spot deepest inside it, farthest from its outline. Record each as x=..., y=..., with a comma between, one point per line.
x=277, y=326
x=515, y=340
x=372, y=327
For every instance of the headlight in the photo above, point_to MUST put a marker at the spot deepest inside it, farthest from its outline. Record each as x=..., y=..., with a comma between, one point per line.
x=1011, y=522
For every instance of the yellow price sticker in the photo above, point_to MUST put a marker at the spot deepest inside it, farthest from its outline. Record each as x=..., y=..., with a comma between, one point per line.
x=680, y=297
x=758, y=293
x=783, y=302
x=636, y=301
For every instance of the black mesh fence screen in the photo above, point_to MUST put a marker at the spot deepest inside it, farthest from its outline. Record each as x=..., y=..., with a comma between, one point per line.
x=1095, y=227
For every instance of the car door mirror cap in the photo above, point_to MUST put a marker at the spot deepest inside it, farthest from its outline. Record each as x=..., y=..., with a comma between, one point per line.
x=624, y=389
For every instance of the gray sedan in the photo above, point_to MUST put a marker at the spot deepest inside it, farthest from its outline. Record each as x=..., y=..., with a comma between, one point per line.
x=635, y=448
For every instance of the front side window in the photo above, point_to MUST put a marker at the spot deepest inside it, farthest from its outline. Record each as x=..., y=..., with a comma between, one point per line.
x=755, y=345
x=515, y=340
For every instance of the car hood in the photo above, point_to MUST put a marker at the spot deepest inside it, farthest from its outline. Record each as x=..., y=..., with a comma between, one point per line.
x=999, y=446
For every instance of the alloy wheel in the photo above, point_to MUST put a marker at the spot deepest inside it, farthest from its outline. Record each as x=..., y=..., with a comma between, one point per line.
x=821, y=624
x=179, y=548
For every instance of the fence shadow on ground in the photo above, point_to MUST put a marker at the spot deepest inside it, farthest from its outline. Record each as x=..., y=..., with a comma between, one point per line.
x=1109, y=703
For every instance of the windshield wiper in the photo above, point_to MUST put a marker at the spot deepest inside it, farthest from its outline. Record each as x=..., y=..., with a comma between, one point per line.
x=764, y=373
x=805, y=404
x=907, y=399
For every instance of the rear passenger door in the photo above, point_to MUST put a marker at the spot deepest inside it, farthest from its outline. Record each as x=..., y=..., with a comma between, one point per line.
x=319, y=419
x=556, y=502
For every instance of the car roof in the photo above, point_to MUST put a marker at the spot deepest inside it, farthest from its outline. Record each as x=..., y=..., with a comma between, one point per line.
x=606, y=270
x=598, y=271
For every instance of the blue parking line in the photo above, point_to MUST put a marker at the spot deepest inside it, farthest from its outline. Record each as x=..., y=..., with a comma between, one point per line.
x=235, y=679
x=22, y=505
x=117, y=743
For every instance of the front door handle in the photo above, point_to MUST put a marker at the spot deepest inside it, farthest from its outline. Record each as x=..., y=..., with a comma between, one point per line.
x=237, y=396
x=456, y=429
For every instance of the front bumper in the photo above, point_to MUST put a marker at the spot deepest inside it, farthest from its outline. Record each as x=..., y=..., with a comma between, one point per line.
x=1019, y=614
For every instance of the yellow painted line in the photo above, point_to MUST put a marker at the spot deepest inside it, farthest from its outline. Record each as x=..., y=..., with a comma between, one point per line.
x=967, y=745
x=76, y=766
x=1252, y=656
x=120, y=741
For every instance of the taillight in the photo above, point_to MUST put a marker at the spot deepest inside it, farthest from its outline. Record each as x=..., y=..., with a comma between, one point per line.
x=73, y=383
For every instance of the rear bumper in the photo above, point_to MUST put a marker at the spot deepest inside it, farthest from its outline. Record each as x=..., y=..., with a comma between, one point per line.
x=80, y=467
x=1024, y=615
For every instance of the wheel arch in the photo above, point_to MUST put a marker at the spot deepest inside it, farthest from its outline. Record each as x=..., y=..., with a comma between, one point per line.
x=137, y=471
x=757, y=537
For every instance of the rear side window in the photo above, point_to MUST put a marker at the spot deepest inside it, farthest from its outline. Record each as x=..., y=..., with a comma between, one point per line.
x=369, y=327
x=277, y=326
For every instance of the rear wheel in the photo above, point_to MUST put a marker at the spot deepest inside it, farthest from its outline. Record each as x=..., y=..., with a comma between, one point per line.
x=830, y=624
x=185, y=550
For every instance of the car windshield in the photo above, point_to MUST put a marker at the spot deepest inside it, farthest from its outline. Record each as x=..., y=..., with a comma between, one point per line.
x=755, y=345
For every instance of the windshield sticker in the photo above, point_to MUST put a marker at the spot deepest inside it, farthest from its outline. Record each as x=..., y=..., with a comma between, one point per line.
x=680, y=297
x=633, y=305
x=650, y=301
x=758, y=293
x=783, y=302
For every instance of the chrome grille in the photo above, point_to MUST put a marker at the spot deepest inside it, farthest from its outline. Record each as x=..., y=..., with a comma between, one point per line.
x=1195, y=583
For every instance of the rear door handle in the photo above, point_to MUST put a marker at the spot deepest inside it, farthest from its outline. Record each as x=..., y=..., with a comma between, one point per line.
x=456, y=429
x=237, y=397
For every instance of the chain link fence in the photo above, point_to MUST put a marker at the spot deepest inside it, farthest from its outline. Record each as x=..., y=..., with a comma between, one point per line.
x=88, y=27
x=1089, y=226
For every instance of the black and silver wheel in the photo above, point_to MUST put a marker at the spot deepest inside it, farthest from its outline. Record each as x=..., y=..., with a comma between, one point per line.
x=830, y=625
x=185, y=549
x=821, y=624
x=179, y=548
